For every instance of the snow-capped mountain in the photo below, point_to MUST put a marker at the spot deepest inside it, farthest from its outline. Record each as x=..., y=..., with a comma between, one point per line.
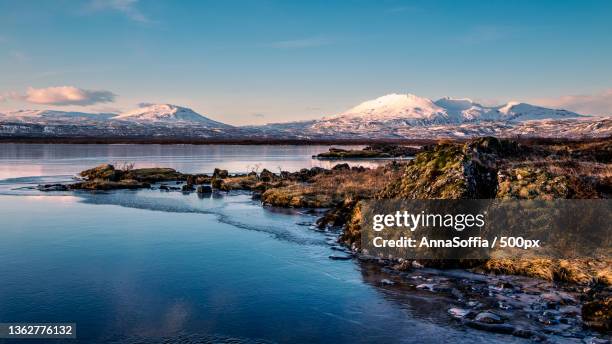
x=404, y=107
x=48, y=116
x=167, y=114
x=515, y=111
x=397, y=111
x=394, y=116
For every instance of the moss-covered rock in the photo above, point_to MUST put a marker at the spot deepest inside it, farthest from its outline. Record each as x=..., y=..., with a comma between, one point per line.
x=451, y=171
x=101, y=184
x=154, y=174
x=103, y=172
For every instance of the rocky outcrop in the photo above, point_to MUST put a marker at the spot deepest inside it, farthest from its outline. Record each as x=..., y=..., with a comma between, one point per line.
x=377, y=151
x=104, y=172
x=100, y=184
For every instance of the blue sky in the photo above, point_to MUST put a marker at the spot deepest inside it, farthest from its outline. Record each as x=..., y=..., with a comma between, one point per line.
x=267, y=61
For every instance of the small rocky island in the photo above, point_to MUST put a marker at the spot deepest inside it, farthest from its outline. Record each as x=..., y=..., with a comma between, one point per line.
x=557, y=296
x=376, y=151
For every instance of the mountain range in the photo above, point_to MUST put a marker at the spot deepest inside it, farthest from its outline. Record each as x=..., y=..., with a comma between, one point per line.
x=393, y=116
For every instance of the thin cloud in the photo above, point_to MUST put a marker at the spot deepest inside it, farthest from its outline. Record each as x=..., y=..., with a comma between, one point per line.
x=309, y=42
x=67, y=95
x=258, y=115
x=126, y=7
x=589, y=104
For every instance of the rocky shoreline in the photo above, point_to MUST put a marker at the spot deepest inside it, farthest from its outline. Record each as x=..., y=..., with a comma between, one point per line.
x=560, y=297
x=375, y=151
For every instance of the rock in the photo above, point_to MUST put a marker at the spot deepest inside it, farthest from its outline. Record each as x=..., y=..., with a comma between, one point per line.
x=338, y=257
x=266, y=176
x=488, y=318
x=219, y=173
x=202, y=179
x=154, y=174
x=551, y=298
x=52, y=187
x=98, y=184
x=187, y=188
x=416, y=265
x=426, y=286
x=597, y=314
x=386, y=281
x=198, y=179
x=404, y=265
x=104, y=171
x=530, y=334
x=458, y=313
x=202, y=189
x=341, y=167
x=164, y=187
x=496, y=328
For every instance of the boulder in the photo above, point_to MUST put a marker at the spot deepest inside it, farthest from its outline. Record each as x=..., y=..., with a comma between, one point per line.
x=219, y=173
x=488, y=318
x=104, y=172
x=154, y=174
x=341, y=167
x=187, y=188
x=266, y=176
x=203, y=189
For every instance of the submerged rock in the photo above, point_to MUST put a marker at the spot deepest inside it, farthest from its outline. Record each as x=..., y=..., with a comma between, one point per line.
x=458, y=313
x=340, y=257
x=489, y=318
x=386, y=281
x=52, y=187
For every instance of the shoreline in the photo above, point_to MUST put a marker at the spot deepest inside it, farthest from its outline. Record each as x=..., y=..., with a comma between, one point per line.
x=269, y=141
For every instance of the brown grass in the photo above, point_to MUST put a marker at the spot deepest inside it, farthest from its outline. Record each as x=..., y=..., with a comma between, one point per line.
x=328, y=189
x=579, y=271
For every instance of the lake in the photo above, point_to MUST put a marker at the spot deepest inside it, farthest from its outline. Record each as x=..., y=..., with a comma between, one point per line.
x=144, y=266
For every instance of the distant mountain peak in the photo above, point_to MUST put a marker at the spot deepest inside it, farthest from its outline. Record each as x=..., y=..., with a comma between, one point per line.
x=395, y=107
x=168, y=114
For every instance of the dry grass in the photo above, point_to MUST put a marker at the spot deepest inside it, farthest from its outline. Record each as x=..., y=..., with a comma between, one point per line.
x=579, y=271
x=328, y=189
x=354, y=183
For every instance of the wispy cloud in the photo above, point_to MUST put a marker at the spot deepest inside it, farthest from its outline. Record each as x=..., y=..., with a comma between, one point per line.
x=591, y=104
x=258, y=115
x=128, y=8
x=309, y=42
x=62, y=95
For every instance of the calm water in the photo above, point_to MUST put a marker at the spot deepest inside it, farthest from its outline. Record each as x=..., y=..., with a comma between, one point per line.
x=141, y=266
